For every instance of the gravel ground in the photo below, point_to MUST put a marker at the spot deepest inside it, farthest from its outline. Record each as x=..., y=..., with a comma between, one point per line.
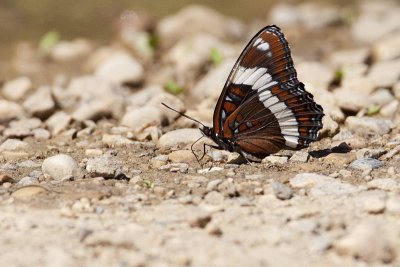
x=95, y=172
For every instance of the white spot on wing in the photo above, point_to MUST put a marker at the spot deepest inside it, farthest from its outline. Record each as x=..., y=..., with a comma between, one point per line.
x=263, y=46
x=263, y=80
x=259, y=40
x=244, y=75
x=255, y=76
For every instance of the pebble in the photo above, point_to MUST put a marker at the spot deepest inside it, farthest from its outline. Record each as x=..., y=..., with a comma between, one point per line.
x=390, y=109
x=366, y=163
x=40, y=104
x=212, y=185
x=58, y=122
x=372, y=201
x=385, y=73
x=28, y=192
x=115, y=140
x=41, y=134
x=210, y=85
x=393, y=205
x=159, y=161
x=107, y=166
x=121, y=68
x=181, y=156
x=300, y=157
x=175, y=167
x=339, y=159
x=171, y=101
x=349, y=100
x=330, y=127
x=381, y=97
x=212, y=169
x=22, y=128
x=13, y=144
x=60, y=167
x=10, y=111
x=139, y=118
x=317, y=74
x=282, y=191
x=27, y=180
x=66, y=51
x=374, y=153
x=180, y=138
x=320, y=185
x=386, y=184
x=357, y=243
x=386, y=48
x=190, y=20
x=350, y=57
x=368, y=126
x=227, y=188
x=275, y=160
x=214, y=198
x=16, y=89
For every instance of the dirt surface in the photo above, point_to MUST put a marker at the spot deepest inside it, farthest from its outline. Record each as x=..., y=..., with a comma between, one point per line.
x=95, y=172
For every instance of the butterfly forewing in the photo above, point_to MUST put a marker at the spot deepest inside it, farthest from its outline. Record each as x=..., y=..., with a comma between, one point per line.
x=263, y=107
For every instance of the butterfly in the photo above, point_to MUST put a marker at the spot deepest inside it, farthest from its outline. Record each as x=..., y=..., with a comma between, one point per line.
x=263, y=107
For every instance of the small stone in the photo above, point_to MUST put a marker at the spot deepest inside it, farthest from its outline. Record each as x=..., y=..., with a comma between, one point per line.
x=13, y=144
x=368, y=126
x=169, y=100
x=227, y=188
x=22, y=128
x=60, y=167
x=213, y=169
x=10, y=111
x=300, y=157
x=66, y=51
x=139, y=118
x=121, y=68
x=176, y=167
x=349, y=57
x=28, y=192
x=372, y=201
x=212, y=185
x=366, y=163
x=106, y=166
x=214, y=198
x=317, y=74
x=385, y=73
x=387, y=184
x=27, y=180
x=40, y=104
x=386, y=48
x=41, y=134
x=390, y=109
x=178, y=139
x=320, y=185
x=58, y=122
x=181, y=156
x=339, y=159
x=159, y=161
x=330, y=127
x=114, y=140
x=275, y=160
x=16, y=89
x=393, y=205
x=374, y=153
x=357, y=243
x=350, y=100
x=282, y=191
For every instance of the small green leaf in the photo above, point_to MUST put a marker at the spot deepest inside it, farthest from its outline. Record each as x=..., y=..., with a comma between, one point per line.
x=149, y=184
x=173, y=88
x=339, y=75
x=153, y=41
x=216, y=56
x=372, y=110
x=48, y=41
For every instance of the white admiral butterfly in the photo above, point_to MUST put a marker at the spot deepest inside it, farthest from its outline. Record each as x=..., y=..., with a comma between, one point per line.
x=263, y=107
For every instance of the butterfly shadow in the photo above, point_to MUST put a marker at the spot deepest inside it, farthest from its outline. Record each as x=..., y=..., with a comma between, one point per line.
x=342, y=148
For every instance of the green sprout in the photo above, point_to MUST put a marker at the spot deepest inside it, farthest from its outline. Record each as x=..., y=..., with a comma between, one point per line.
x=373, y=109
x=48, y=41
x=149, y=184
x=216, y=56
x=173, y=88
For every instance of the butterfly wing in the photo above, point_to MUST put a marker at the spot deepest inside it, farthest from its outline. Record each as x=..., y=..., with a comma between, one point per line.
x=263, y=107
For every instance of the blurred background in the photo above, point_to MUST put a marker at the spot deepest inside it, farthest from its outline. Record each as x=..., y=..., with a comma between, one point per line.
x=95, y=19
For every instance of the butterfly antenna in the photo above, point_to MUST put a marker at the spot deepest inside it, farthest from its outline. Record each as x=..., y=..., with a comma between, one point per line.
x=183, y=114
